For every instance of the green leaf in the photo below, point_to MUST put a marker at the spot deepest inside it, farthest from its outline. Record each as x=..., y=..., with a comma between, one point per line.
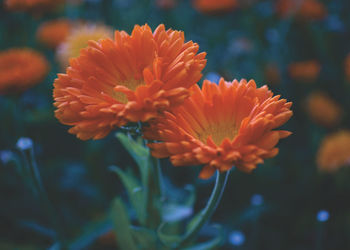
x=191, y=197
x=135, y=192
x=176, y=212
x=212, y=244
x=148, y=169
x=144, y=237
x=138, y=152
x=167, y=235
x=194, y=221
x=122, y=226
x=92, y=231
x=153, y=194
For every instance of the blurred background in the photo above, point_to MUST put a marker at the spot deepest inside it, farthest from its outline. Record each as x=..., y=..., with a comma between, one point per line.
x=299, y=48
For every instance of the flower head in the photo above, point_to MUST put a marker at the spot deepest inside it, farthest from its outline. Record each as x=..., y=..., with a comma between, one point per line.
x=220, y=126
x=20, y=69
x=334, y=152
x=323, y=110
x=78, y=39
x=214, y=6
x=305, y=71
x=305, y=9
x=133, y=78
x=32, y=5
x=53, y=33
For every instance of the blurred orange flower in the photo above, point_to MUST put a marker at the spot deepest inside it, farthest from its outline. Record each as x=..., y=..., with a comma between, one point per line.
x=133, y=78
x=323, y=110
x=272, y=74
x=225, y=125
x=166, y=4
x=53, y=33
x=78, y=39
x=20, y=69
x=306, y=71
x=214, y=6
x=334, y=151
x=306, y=9
x=32, y=5
x=347, y=67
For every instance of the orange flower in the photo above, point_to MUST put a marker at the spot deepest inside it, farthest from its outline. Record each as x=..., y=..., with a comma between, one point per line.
x=78, y=39
x=32, y=5
x=334, y=152
x=306, y=71
x=21, y=69
x=52, y=33
x=214, y=6
x=221, y=126
x=306, y=9
x=323, y=110
x=166, y=4
x=272, y=74
x=133, y=78
x=347, y=67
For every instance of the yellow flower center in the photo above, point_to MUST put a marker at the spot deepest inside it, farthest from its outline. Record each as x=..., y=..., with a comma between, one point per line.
x=131, y=84
x=218, y=132
x=81, y=38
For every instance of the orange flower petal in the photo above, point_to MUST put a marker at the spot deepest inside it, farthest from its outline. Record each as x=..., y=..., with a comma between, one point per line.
x=207, y=172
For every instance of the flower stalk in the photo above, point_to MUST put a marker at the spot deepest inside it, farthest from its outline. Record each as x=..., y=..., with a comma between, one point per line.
x=154, y=194
x=207, y=212
x=26, y=147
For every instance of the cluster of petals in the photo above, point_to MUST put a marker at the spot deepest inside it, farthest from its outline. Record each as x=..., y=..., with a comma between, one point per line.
x=32, y=5
x=20, y=69
x=220, y=126
x=324, y=110
x=53, y=33
x=214, y=6
x=129, y=79
x=305, y=9
x=334, y=151
x=77, y=39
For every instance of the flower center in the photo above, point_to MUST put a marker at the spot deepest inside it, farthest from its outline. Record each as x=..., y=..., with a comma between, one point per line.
x=131, y=84
x=219, y=132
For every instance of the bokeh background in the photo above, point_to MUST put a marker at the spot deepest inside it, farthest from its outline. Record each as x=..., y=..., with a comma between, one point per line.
x=297, y=200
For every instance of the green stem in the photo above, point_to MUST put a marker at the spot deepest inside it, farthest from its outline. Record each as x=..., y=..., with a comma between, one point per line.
x=16, y=120
x=157, y=178
x=207, y=212
x=40, y=191
x=320, y=236
x=154, y=194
